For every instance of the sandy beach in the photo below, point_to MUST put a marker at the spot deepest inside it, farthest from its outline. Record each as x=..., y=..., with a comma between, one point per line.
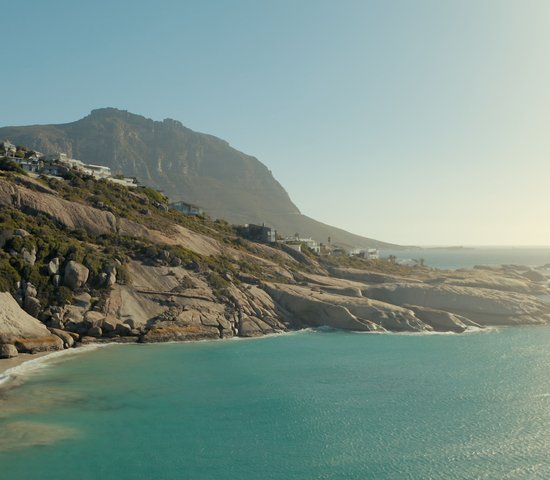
x=25, y=362
x=9, y=363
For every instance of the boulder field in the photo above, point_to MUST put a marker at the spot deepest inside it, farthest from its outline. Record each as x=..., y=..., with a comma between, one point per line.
x=173, y=303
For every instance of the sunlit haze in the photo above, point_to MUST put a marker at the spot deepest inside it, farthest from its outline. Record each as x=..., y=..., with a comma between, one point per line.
x=420, y=123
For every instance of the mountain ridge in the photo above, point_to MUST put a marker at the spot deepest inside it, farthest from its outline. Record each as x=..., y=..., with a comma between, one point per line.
x=186, y=165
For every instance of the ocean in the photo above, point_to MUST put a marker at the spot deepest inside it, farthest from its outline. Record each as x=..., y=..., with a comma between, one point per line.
x=302, y=406
x=454, y=258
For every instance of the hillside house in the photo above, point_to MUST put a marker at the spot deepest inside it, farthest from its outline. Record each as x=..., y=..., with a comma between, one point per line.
x=368, y=254
x=34, y=155
x=372, y=254
x=187, y=208
x=97, y=171
x=33, y=165
x=313, y=245
x=258, y=233
x=65, y=160
x=54, y=169
x=130, y=182
x=295, y=246
x=7, y=149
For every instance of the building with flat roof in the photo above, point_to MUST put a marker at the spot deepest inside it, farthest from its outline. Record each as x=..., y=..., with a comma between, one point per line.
x=258, y=233
x=187, y=208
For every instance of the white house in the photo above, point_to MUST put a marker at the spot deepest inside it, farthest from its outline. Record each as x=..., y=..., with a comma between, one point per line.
x=372, y=254
x=313, y=245
x=7, y=148
x=125, y=182
x=295, y=246
x=97, y=171
x=65, y=160
x=369, y=253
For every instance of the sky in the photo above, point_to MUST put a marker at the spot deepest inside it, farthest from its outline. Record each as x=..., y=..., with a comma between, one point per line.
x=414, y=122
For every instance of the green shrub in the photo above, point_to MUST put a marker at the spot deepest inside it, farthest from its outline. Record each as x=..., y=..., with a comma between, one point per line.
x=122, y=275
x=154, y=195
x=64, y=295
x=216, y=281
x=11, y=166
x=9, y=276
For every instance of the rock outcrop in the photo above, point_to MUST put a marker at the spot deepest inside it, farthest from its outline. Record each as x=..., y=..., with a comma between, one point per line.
x=366, y=276
x=161, y=303
x=534, y=276
x=70, y=214
x=442, y=321
x=75, y=275
x=481, y=305
x=8, y=351
x=313, y=308
x=25, y=333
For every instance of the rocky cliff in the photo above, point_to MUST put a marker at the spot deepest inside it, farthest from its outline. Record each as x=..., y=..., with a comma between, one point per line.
x=86, y=261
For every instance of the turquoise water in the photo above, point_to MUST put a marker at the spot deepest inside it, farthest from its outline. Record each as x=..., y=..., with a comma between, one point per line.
x=468, y=257
x=311, y=405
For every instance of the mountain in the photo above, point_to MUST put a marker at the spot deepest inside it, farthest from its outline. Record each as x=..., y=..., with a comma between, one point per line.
x=185, y=165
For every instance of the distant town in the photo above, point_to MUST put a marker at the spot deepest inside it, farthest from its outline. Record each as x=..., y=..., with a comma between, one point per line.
x=60, y=164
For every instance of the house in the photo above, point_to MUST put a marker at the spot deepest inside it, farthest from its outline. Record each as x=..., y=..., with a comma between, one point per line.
x=33, y=165
x=368, y=254
x=130, y=182
x=372, y=254
x=187, y=208
x=97, y=171
x=313, y=245
x=54, y=169
x=34, y=155
x=295, y=246
x=64, y=159
x=7, y=148
x=258, y=233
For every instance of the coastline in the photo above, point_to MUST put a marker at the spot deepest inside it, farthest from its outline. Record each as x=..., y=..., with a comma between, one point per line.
x=13, y=368
x=6, y=364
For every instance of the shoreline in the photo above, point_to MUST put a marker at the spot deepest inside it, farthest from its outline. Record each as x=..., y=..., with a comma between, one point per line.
x=7, y=364
x=12, y=368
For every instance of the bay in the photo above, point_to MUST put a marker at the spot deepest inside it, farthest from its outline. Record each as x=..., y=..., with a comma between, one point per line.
x=308, y=405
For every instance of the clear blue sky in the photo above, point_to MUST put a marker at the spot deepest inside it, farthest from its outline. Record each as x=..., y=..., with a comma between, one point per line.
x=417, y=122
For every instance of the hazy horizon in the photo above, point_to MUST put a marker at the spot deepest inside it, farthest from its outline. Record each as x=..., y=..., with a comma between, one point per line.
x=413, y=123
x=466, y=246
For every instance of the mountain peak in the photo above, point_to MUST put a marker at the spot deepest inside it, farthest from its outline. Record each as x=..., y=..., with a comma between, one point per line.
x=185, y=165
x=108, y=111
